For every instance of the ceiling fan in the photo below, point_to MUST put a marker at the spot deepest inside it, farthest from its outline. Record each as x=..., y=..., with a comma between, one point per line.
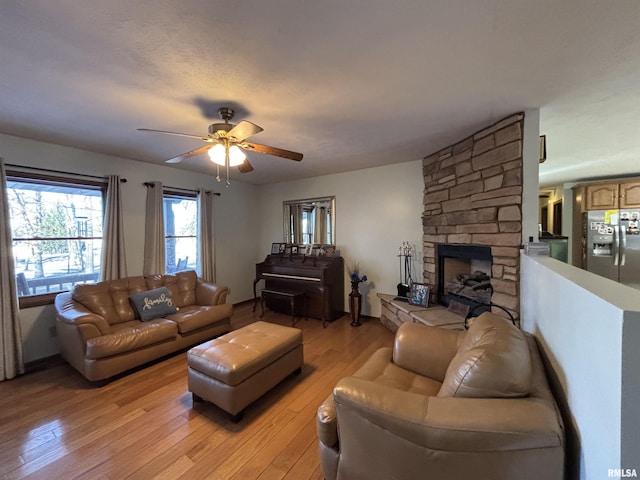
x=225, y=143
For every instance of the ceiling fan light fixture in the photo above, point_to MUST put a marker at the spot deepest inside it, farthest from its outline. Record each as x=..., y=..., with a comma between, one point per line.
x=217, y=154
x=236, y=156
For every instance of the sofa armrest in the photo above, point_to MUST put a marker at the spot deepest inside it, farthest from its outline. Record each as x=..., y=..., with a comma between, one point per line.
x=210, y=293
x=425, y=350
x=446, y=423
x=70, y=312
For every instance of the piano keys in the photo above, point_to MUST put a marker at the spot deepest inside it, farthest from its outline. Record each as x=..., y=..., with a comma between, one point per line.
x=321, y=279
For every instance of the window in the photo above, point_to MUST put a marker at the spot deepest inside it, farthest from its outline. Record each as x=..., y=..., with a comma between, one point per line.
x=56, y=227
x=180, y=231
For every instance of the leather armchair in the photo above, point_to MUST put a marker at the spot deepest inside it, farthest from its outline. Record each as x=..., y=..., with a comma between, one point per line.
x=445, y=404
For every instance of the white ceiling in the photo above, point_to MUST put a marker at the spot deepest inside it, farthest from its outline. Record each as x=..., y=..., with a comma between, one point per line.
x=349, y=83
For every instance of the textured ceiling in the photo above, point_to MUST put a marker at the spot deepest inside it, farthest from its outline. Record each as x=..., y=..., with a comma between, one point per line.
x=350, y=83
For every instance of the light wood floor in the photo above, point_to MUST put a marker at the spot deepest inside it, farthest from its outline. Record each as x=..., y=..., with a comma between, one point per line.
x=56, y=425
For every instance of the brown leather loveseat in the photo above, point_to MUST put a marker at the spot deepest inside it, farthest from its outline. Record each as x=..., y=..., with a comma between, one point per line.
x=445, y=405
x=101, y=334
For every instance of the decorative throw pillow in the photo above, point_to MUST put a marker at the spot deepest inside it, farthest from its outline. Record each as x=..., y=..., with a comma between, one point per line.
x=152, y=304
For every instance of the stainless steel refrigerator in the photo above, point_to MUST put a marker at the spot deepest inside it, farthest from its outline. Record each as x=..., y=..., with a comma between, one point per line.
x=613, y=245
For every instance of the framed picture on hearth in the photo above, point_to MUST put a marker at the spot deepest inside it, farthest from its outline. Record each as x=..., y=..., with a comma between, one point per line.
x=419, y=295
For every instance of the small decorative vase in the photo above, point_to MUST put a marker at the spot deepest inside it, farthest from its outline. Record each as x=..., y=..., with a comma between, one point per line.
x=355, y=304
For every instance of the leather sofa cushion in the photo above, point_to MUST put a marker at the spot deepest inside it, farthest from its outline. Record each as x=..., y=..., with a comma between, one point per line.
x=110, y=299
x=492, y=361
x=193, y=317
x=182, y=286
x=131, y=336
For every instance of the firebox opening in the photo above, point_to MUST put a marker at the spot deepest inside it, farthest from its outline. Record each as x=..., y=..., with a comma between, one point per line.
x=464, y=274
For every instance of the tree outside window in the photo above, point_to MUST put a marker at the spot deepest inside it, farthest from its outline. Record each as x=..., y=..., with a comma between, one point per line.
x=57, y=233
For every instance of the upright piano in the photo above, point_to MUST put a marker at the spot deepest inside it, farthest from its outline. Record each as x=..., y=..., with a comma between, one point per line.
x=321, y=279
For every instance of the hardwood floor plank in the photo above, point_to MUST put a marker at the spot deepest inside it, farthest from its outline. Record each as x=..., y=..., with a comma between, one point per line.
x=61, y=448
x=271, y=473
x=307, y=464
x=143, y=425
x=239, y=457
x=200, y=430
x=176, y=469
x=122, y=463
x=296, y=447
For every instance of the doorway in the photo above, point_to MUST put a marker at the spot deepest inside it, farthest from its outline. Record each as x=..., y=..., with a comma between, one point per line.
x=557, y=218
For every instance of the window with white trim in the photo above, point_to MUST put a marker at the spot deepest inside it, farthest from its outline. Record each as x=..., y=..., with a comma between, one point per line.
x=181, y=231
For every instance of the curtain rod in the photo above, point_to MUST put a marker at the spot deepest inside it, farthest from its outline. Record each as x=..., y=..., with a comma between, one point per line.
x=149, y=184
x=49, y=170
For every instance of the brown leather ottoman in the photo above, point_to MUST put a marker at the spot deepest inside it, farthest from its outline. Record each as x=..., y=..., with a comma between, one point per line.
x=236, y=369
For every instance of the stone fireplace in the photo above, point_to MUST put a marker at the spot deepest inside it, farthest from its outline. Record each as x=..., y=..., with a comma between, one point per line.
x=473, y=199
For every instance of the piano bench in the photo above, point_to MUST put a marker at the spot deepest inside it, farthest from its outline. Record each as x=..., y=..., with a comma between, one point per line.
x=294, y=299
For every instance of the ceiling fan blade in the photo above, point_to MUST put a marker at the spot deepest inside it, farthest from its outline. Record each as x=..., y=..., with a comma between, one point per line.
x=277, y=152
x=245, y=167
x=206, y=139
x=191, y=153
x=244, y=130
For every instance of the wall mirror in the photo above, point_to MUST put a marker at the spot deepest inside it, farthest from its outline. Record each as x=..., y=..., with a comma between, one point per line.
x=308, y=221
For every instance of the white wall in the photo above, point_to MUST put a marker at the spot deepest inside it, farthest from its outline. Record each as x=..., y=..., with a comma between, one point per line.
x=589, y=328
x=376, y=210
x=530, y=168
x=235, y=224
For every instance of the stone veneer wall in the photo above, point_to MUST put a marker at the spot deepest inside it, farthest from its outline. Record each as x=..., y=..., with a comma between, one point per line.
x=473, y=195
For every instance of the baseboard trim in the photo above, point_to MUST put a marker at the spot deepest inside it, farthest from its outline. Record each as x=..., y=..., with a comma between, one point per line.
x=244, y=302
x=43, y=363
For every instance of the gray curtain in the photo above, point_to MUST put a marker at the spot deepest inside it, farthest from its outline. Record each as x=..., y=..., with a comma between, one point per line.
x=11, y=359
x=296, y=214
x=114, y=264
x=154, y=259
x=206, y=246
x=320, y=227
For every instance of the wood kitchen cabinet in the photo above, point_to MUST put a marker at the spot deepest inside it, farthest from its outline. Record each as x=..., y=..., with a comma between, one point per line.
x=601, y=196
x=611, y=196
x=630, y=195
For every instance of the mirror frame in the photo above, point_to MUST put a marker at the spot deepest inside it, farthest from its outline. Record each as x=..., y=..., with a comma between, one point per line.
x=285, y=214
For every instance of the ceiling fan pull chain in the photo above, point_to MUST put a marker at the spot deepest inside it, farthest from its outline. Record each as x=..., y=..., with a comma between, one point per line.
x=218, y=172
x=226, y=161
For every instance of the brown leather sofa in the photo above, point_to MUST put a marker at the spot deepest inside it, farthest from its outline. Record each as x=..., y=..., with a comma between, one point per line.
x=101, y=336
x=445, y=404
